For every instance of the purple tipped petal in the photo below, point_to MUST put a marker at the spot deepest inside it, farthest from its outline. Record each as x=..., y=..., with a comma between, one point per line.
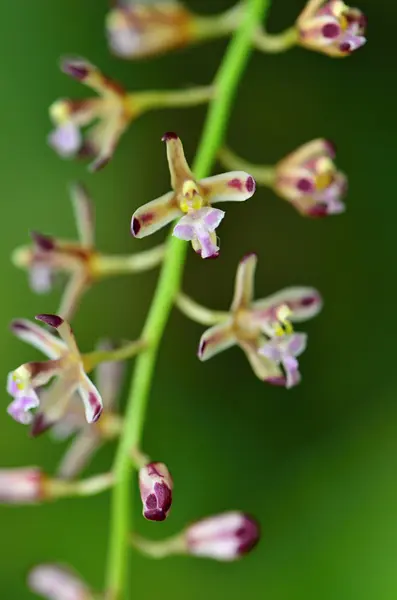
x=76, y=67
x=40, y=424
x=45, y=243
x=38, y=337
x=66, y=139
x=303, y=302
x=244, y=283
x=154, y=215
x=233, y=186
x=215, y=340
x=92, y=400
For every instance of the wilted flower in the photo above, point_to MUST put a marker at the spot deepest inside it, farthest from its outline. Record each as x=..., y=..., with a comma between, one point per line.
x=224, y=537
x=191, y=200
x=137, y=30
x=48, y=256
x=331, y=27
x=25, y=485
x=309, y=179
x=88, y=437
x=65, y=363
x=155, y=485
x=114, y=109
x=262, y=328
x=55, y=582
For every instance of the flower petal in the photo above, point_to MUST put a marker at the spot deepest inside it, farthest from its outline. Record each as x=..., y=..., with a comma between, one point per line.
x=38, y=337
x=63, y=328
x=55, y=582
x=91, y=398
x=84, y=71
x=104, y=137
x=109, y=378
x=78, y=455
x=20, y=408
x=234, y=186
x=40, y=277
x=72, y=294
x=244, y=282
x=154, y=215
x=303, y=302
x=263, y=367
x=296, y=343
x=84, y=214
x=66, y=139
x=179, y=169
x=215, y=340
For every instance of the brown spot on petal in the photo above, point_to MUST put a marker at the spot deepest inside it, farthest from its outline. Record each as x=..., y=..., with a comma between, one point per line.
x=147, y=218
x=280, y=381
x=202, y=347
x=96, y=407
x=52, y=320
x=78, y=71
x=237, y=184
x=308, y=301
x=331, y=30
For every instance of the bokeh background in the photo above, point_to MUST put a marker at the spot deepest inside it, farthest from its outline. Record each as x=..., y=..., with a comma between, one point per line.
x=316, y=464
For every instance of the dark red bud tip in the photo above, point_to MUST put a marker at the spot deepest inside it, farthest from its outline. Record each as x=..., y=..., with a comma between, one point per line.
x=318, y=212
x=43, y=242
x=201, y=348
x=96, y=407
x=345, y=47
x=249, y=534
x=52, y=320
x=248, y=256
x=216, y=255
x=135, y=226
x=279, y=381
x=75, y=69
x=169, y=135
x=250, y=185
x=40, y=424
x=155, y=515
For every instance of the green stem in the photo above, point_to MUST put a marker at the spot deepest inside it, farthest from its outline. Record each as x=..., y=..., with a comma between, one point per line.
x=171, y=98
x=198, y=313
x=95, y=358
x=274, y=43
x=226, y=82
x=263, y=174
x=118, y=264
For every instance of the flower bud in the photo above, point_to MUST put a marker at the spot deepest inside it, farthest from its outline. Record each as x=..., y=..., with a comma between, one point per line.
x=141, y=30
x=224, y=537
x=155, y=484
x=54, y=582
x=21, y=486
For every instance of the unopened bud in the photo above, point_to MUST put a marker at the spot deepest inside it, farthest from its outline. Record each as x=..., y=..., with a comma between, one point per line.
x=22, y=486
x=155, y=484
x=224, y=537
x=54, y=582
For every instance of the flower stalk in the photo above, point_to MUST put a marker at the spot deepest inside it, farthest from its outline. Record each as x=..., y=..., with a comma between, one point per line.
x=226, y=82
x=198, y=313
x=274, y=43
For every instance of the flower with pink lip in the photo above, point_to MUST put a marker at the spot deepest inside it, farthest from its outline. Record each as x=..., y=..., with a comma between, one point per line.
x=331, y=27
x=309, y=179
x=261, y=328
x=65, y=363
x=191, y=201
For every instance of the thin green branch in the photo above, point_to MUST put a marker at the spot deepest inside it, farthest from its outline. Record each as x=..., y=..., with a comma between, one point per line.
x=226, y=83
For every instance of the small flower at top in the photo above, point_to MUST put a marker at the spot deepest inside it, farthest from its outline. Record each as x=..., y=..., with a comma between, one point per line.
x=191, y=201
x=65, y=363
x=113, y=109
x=137, y=29
x=155, y=484
x=56, y=582
x=49, y=256
x=309, y=179
x=331, y=27
x=263, y=328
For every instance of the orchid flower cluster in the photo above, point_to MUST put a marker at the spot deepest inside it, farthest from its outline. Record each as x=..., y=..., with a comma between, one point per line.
x=58, y=395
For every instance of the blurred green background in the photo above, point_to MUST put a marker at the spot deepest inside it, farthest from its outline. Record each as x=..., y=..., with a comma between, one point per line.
x=316, y=464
